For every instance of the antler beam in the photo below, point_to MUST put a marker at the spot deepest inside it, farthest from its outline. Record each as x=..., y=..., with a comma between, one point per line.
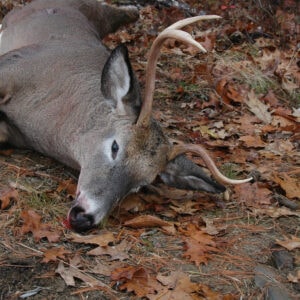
x=198, y=150
x=170, y=32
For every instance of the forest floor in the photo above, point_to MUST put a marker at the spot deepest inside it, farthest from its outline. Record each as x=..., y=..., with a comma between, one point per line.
x=241, y=101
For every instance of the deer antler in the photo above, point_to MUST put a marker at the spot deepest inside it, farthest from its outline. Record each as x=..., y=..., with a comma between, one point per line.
x=198, y=150
x=170, y=32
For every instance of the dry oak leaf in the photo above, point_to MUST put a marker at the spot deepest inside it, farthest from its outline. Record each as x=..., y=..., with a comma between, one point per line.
x=258, y=108
x=70, y=273
x=32, y=223
x=117, y=252
x=134, y=279
x=178, y=286
x=69, y=186
x=252, y=194
x=133, y=203
x=276, y=212
x=198, y=245
x=228, y=92
x=197, y=252
x=295, y=278
x=101, y=268
x=290, y=244
x=146, y=221
x=102, y=238
x=251, y=141
x=6, y=196
x=54, y=253
x=289, y=184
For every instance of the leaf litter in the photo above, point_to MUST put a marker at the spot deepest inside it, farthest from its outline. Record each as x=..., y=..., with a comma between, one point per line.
x=240, y=101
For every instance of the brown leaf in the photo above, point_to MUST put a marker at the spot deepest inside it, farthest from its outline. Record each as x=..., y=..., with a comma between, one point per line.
x=135, y=279
x=289, y=244
x=54, y=253
x=102, y=238
x=289, y=184
x=295, y=278
x=117, y=252
x=251, y=141
x=32, y=223
x=101, y=268
x=7, y=196
x=276, y=212
x=198, y=244
x=228, y=92
x=258, y=108
x=146, y=221
x=252, y=194
x=198, y=252
x=179, y=286
x=133, y=202
x=69, y=186
x=70, y=273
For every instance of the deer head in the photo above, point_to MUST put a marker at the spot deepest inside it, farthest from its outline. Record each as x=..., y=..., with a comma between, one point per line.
x=134, y=151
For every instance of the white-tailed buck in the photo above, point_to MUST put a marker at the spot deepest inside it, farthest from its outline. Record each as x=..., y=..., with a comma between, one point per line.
x=64, y=94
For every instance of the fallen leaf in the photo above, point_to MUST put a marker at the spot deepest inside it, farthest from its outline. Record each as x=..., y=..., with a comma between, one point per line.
x=280, y=147
x=290, y=244
x=69, y=186
x=134, y=203
x=228, y=92
x=7, y=196
x=252, y=194
x=117, y=252
x=198, y=244
x=210, y=228
x=102, y=238
x=32, y=223
x=134, y=279
x=146, y=221
x=198, y=252
x=290, y=185
x=101, y=268
x=70, y=273
x=258, y=108
x=251, y=141
x=187, y=207
x=295, y=278
x=54, y=253
x=276, y=212
x=178, y=286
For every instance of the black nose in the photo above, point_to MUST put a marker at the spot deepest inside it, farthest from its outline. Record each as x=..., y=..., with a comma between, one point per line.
x=79, y=220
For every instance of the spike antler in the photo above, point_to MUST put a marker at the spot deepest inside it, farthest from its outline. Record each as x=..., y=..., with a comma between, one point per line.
x=174, y=32
x=199, y=150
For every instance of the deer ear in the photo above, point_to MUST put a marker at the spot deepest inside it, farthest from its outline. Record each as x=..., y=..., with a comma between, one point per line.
x=182, y=173
x=118, y=82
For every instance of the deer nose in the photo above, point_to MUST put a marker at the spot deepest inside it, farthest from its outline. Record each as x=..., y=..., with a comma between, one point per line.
x=79, y=220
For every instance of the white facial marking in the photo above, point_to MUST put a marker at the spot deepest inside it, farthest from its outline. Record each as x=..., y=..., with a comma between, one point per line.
x=91, y=206
x=107, y=148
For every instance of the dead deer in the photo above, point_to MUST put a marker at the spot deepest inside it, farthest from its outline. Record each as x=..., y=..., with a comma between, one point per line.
x=62, y=93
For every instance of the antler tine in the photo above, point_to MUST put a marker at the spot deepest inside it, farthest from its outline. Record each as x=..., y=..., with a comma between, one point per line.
x=181, y=23
x=170, y=32
x=199, y=150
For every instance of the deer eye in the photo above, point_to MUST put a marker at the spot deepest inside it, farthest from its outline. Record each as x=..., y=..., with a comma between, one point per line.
x=114, y=149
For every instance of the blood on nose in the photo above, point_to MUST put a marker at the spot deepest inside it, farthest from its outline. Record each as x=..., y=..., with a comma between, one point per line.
x=79, y=220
